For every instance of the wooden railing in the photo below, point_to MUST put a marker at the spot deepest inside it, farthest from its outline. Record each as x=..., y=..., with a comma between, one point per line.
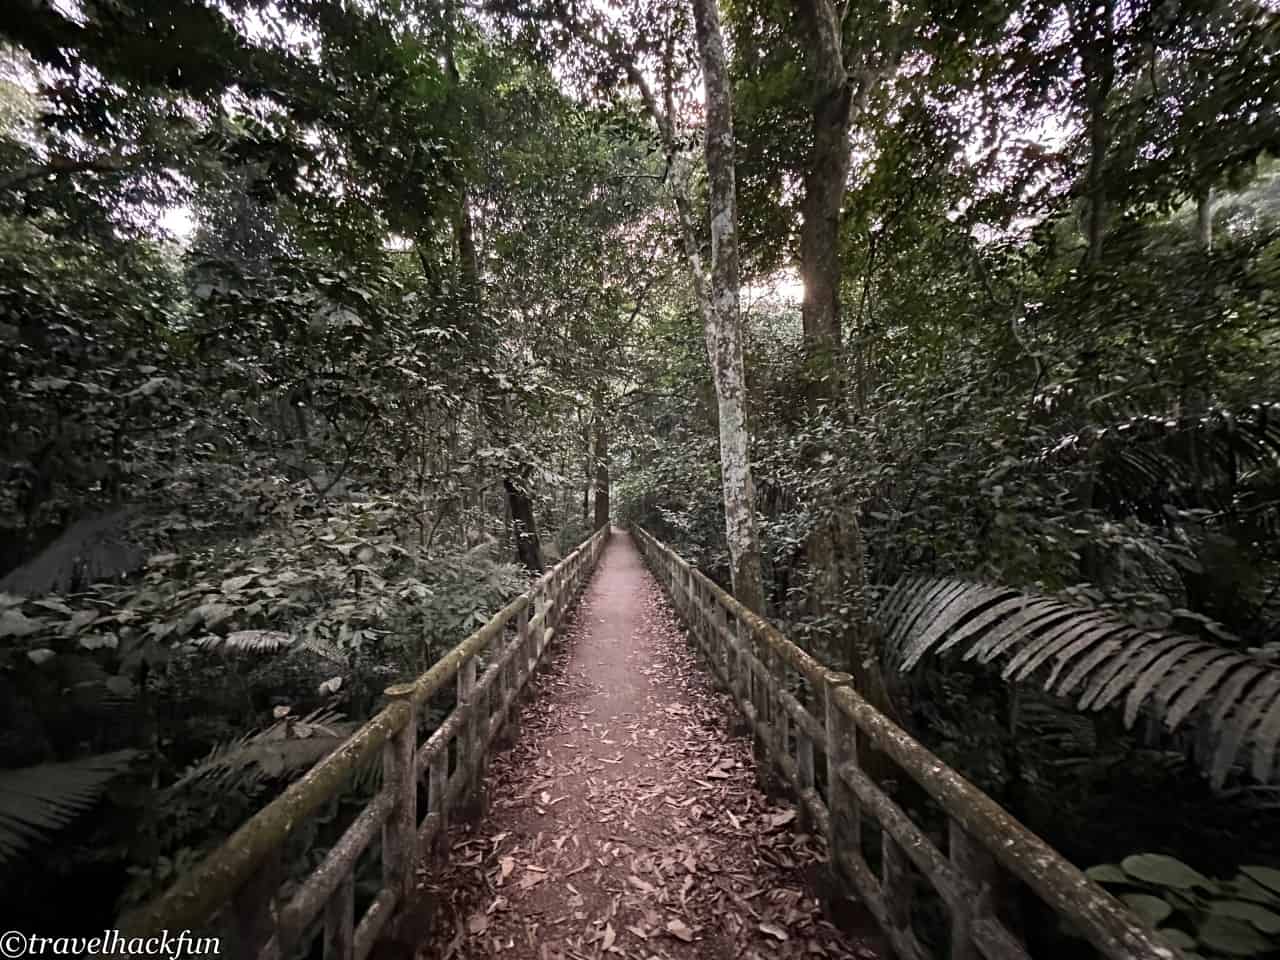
x=238, y=887
x=806, y=721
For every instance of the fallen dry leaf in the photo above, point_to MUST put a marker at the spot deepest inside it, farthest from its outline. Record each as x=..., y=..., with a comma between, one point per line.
x=774, y=931
x=678, y=928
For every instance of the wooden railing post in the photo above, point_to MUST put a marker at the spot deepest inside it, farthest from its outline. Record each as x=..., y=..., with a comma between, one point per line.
x=254, y=907
x=539, y=601
x=516, y=666
x=400, y=776
x=339, y=921
x=742, y=666
x=719, y=645
x=438, y=801
x=978, y=870
x=895, y=885
x=845, y=839
x=468, y=766
x=805, y=772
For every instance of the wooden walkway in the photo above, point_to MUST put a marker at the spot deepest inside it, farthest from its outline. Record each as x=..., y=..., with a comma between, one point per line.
x=626, y=821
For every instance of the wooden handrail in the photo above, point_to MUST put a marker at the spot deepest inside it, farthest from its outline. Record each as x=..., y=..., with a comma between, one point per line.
x=821, y=721
x=241, y=880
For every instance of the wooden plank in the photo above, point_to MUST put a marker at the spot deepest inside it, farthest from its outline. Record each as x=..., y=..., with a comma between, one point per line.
x=253, y=907
x=896, y=882
x=374, y=921
x=400, y=779
x=979, y=871
x=845, y=838
x=338, y=864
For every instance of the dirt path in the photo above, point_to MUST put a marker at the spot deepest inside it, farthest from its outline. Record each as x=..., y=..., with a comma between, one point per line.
x=625, y=821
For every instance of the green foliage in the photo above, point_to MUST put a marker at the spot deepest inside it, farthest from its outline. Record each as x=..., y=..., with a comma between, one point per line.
x=35, y=802
x=1203, y=917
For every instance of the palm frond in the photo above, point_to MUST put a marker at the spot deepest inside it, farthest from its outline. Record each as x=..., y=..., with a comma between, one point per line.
x=1222, y=460
x=37, y=802
x=1099, y=656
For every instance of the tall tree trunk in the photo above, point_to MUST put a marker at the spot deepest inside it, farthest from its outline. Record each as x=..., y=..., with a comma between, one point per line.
x=825, y=176
x=601, y=458
x=523, y=528
x=1094, y=27
x=834, y=548
x=722, y=321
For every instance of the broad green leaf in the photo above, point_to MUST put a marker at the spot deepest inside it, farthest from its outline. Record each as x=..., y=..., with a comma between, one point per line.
x=1233, y=937
x=1177, y=938
x=1152, y=909
x=1107, y=873
x=1265, y=920
x=1269, y=877
x=1163, y=871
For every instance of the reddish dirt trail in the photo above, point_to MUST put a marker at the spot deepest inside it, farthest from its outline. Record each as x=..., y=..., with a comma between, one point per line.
x=625, y=820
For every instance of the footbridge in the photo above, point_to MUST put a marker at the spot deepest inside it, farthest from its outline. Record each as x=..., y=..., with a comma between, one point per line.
x=628, y=813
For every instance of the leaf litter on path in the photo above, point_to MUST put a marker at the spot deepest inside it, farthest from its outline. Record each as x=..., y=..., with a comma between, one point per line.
x=625, y=822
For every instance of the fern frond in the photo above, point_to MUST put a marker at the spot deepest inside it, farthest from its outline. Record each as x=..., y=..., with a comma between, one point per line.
x=1098, y=654
x=247, y=641
x=37, y=802
x=286, y=745
x=322, y=648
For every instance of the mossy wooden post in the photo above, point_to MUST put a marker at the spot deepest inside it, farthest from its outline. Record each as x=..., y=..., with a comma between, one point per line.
x=845, y=839
x=339, y=921
x=556, y=605
x=742, y=666
x=719, y=646
x=805, y=772
x=896, y=885
x=763, y=733
x=400, y=775
x=975, y=865
x=254, y=906
x=517, y=665
x=780, y=722
x=468, y=766
x=483, y=713
x=438, y=801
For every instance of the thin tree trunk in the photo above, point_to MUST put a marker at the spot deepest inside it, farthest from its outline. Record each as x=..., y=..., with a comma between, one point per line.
x=601, y=458
x=1204, y=219
x=723, y=323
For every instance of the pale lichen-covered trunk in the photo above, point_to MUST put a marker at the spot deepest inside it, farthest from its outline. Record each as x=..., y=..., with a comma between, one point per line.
x=1204, y=219
x=721, y=317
